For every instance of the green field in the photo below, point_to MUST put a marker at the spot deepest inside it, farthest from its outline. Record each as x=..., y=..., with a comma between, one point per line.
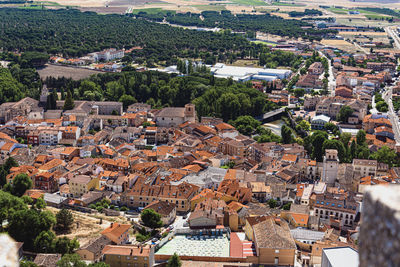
x=154, y=10
x=338, y=10
x=249, y=2
x=210, y=7
x=286, y=4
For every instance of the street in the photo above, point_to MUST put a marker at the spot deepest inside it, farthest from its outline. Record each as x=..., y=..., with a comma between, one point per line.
x=387, y=96
x=395, y=36
x=331, y=78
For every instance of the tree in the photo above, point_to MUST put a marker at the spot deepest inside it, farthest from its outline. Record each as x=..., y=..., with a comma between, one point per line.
x=52, y=100
x=361, y=137
x=305, y=125
x=272, y=203
x=151, y=219
x=344, y=114
x=69, y=101
x=40, y=203
x=10, y=162
x=44, y=242
x=299, y=92
x=317, y=141
x=26, y=224
x=71, y=260
x=386, y=155
x=245, y=124
x=353, y=149
x=3, y=176
x=64, y=220
x=9, y=205
x=98, y=264
x=64, y=245
x=331, y=127
x=287, y=206
x=20, y=184
x=381, y=106
x=127, y=100
x=174, y=261
x=25, y=263
x=286, y=134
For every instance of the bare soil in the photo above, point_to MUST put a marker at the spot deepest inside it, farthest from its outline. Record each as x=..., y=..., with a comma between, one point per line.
x=65, y=71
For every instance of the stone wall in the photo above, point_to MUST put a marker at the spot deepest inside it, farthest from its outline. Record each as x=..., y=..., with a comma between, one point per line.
x=379, y=241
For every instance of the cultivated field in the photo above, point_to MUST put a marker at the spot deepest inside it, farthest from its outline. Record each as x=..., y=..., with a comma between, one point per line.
x=340, y=44
x=64, y=71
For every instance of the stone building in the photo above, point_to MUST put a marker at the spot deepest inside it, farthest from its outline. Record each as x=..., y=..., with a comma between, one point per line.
x=23, y=107
x=172, y=117
x=330, y=166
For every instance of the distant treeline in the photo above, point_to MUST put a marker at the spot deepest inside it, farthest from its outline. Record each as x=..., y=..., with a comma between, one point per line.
x=242, y=23
x=14, y=2
x=306, y=12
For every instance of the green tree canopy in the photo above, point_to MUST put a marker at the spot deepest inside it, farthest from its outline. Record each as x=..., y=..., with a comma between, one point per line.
x=286, y=134
x=344, y=114
x=64, y=220
x=174, y=261
x=386, y=155
x=20, y=184
x=69, y=101
x=151, y=219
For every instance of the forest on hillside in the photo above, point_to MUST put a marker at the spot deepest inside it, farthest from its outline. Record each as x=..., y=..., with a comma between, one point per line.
x=73, y=33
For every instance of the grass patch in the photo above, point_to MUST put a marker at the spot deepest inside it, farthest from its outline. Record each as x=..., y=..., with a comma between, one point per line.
x=32, y=7
x=338, y=10
x=249, y=2
x=210, y=7
x=286, y=4
x=263, y=42
x=153, y=10
x=376, y=17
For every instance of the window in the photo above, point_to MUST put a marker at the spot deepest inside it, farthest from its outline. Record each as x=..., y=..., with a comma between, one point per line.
x=128, y=258
x=276, y=251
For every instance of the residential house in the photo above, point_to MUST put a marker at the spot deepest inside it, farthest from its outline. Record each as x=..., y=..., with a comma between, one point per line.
x=167, y=210
x=273, y=242
x=117, y=233
x=124, y=256
x=365, y=167
x=143, y=194
x=81, y=184
x=92, y=251
x=340, y=207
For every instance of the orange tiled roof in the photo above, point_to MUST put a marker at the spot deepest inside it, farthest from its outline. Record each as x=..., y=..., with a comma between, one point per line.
x=51, y=164
x=116, y=230
x=300, y=218
x=289, y=157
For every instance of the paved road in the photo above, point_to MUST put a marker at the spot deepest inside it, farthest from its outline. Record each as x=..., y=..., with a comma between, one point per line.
x=373, y=110
x=394, y=34
x=331, y=78
x=361, y=48
x=394, y=119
